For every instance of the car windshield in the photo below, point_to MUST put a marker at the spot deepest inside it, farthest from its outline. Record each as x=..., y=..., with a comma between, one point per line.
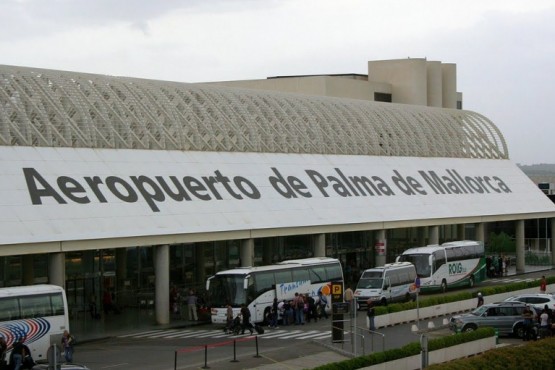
x=480, y=311
x=370, y=283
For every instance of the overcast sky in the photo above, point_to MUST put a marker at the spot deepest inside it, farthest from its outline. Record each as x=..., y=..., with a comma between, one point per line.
x=504, y=50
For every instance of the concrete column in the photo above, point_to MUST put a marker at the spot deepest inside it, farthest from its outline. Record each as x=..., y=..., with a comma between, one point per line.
x=57, y=269
x=200, y=259
x=267, y=252
x=162, y=284
x=435, y=86
x=461, y=232
x=520, y=247
x=28, y=269
x=247, y=252
x=449, y=85
x=381, y=248
x=552, y=241
x=421, y=236
x=480, y=232
x=121, y=268
x=433, y=232
x=319, y=245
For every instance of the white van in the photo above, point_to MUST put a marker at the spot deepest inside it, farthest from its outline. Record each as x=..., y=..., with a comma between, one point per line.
x=388, y=283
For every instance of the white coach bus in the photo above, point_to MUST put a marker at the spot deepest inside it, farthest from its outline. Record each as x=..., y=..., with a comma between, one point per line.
x=37, y=314
x=449, y=265
x=256, y=287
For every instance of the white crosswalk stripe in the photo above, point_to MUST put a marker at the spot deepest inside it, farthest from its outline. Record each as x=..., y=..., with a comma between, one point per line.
x=510, y=280
x=269, y=334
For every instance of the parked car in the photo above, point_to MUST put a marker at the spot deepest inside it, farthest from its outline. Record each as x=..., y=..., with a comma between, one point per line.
x=506, y=317
x=538, y=300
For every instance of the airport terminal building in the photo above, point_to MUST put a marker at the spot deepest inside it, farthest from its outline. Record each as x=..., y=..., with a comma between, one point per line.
x=133, y=185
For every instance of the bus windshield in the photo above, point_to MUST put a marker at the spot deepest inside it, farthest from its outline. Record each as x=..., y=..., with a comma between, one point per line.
x=226, y=289
x=420, y=261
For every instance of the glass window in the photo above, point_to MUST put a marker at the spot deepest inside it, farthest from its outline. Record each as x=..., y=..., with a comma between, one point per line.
x=283, y=277
x=318, y=275
x=9, y=309
x=57, y=302
x=264, y=281
x=35, y=306
x=334, y=273
x=300, y=275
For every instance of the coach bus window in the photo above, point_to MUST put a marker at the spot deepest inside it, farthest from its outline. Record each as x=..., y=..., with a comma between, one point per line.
x=300, y=275
x=9, y=309
x=264, y=281
x=334, y=273
x=283, y=277
x=317, y=275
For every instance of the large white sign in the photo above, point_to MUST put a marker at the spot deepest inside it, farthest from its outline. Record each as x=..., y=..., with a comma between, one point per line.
x=56, y=194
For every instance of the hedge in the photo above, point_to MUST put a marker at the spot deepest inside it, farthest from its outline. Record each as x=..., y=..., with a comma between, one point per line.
x=410, y=349
x=531, y=356
x=461, y=296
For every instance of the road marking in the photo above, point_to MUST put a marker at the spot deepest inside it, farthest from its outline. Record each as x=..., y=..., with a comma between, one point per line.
x=187, y=333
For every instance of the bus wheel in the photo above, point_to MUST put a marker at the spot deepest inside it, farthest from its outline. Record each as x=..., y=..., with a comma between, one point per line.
x=443, y=285
x=407, y=297
x=471, y=282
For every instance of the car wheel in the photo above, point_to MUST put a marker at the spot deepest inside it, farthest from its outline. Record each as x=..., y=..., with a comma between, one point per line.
x=383, y=302
x=469, y=328
x=519, y=331
x=444, y=285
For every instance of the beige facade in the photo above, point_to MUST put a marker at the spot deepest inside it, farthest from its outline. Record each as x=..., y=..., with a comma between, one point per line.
x=405, y=81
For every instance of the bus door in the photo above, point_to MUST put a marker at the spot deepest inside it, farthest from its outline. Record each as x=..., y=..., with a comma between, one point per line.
x=386, y=288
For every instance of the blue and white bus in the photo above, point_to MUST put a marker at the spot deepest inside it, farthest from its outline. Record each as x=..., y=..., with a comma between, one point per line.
x=256, y=287
x=35, y=313
x=449, y=265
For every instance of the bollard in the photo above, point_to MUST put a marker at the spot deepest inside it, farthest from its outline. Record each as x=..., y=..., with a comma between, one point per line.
x=234, y=351
x=206, y=357
x=496, y=336
x=256, y=340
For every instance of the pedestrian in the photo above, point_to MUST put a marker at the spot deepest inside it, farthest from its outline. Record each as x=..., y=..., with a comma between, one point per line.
x=543, y=285
x=92, y=306
x=322, y=302
x=67, y=344
x=370, y=313
x=3, y=349
x=349, y=297
x=107, y=302
x=246, y=315
x=229, y=317
x=192, y=305
x=311, y=315
x=174, y=301
x=528, y=317
x=298, y=304
x=18, y=352
x=480, y=300
x=545, y=324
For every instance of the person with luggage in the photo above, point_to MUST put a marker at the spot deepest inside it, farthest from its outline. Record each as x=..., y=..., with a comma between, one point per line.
x=246, y=315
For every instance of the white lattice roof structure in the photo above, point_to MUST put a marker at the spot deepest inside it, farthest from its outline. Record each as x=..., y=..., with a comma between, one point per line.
x=49, y=108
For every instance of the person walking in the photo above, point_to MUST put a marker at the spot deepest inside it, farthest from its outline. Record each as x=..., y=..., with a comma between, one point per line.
x=246, y=315
x=192, y=305
x=370, y=313
x=322, y=303
x=67, y=345
x=18, y=352
x=349, y=296
x=543, y=285
x=480, y=300
x=298, y=303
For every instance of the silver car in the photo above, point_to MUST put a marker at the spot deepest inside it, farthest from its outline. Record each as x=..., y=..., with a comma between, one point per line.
x=506, y=317
x=538, y=300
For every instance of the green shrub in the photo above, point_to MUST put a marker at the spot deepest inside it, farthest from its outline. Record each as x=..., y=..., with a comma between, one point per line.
x=459, y=296
x=410, y=349
x=534, y=355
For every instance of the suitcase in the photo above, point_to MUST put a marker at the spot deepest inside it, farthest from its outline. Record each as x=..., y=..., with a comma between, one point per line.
x=259, y=329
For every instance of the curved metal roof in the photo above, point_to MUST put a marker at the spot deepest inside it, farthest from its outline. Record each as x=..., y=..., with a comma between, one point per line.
x=51, y=108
